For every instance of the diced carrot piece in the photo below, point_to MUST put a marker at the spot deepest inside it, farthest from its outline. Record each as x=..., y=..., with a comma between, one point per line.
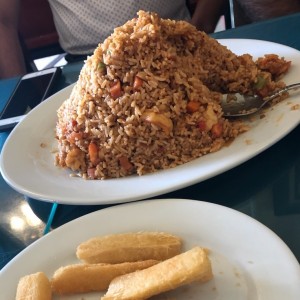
x=93, y=153
x=74, y=123
x=137, y=84
x=115, y=89
x=202, y=125
x=192, y=106
x=125, y=163
x=217, y=130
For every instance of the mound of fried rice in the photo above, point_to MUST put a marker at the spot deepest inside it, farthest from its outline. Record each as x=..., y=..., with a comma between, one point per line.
x=148, y=99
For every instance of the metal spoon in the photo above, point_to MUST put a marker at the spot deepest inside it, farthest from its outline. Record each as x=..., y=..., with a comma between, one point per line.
x=237, y=105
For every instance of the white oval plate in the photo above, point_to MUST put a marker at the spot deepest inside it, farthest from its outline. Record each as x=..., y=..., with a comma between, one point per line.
x=29, y=168
x=249, y=261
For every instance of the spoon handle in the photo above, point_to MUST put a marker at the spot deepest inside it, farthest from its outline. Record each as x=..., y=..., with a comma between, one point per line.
x=293, y=86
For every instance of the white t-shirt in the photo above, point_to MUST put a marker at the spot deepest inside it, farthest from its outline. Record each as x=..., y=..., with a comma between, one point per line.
x=81, y=25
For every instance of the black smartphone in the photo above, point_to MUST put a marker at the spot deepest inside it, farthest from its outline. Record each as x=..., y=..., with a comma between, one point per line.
x=30, y=91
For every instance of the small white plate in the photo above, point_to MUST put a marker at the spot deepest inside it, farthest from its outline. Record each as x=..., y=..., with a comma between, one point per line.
x=27, y=158
x=249, y=261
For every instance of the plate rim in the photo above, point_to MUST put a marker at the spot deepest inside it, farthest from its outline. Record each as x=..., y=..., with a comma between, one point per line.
x=71, y=198
x=172, y=203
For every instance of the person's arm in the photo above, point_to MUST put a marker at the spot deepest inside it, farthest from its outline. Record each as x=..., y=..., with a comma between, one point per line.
x=11, y=56
x=207, y=14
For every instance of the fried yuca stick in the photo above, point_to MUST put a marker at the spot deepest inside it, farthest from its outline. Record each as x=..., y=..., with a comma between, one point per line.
x=34, y=287
x=83, y=278
x=167, y=275
x=127, y=247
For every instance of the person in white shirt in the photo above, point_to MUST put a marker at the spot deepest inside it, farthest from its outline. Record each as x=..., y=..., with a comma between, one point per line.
x=82, y=25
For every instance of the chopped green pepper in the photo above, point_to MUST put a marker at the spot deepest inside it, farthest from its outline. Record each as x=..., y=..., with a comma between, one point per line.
x=101, y=67
x=260, y=83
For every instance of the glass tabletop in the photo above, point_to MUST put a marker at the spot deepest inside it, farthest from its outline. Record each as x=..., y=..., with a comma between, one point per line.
x=267, y=187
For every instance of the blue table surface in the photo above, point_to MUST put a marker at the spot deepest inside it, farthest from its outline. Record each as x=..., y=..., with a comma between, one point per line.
x=267, y=187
